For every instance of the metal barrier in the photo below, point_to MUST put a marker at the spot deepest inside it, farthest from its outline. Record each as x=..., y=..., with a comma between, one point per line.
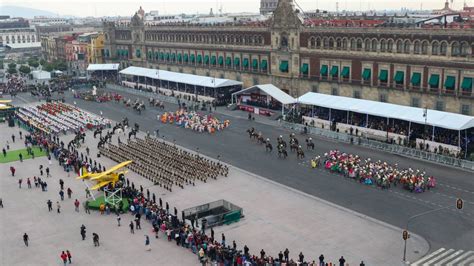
x=391, y=148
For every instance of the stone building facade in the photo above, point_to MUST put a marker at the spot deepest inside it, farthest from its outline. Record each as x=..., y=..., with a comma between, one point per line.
x=431, y=68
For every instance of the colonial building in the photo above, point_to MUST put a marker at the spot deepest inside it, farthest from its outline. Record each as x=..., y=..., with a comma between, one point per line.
x=421, y=67
x=268, y=6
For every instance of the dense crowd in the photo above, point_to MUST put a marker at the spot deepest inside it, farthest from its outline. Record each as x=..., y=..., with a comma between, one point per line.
x=377, y=173
x=15, y=84
x=195, y=121
x=165, y=164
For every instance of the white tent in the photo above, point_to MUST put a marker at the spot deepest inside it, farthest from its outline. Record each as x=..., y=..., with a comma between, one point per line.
x=41, y=75
x=189, y=79
x=412, y=114
x=271, y=90
x=94, y=67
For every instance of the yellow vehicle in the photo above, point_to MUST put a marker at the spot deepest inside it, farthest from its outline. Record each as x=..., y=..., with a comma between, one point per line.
x=105, y=178
x=5, y=104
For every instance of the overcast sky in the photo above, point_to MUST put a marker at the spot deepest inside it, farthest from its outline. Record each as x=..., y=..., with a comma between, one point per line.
x=127, y=7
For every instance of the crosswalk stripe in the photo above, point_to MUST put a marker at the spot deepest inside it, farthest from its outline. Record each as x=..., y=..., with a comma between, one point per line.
x=440, y=256
x=468, y=262
x=420, y=261
x=452, y=263
x=450, y=257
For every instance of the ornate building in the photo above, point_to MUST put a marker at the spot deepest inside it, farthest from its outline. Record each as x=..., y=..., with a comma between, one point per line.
x=431, y=68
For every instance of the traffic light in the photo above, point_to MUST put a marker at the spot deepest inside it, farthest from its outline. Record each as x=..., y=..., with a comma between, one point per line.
x=459, y=204
x=405, y=235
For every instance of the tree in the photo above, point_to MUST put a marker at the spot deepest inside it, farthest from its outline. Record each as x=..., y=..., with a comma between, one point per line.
x=11, y=70
x=12, y=65
x=48, y=67
x=33, y=62
x=25, y=69
x=42, y=62
x=1, y=64
x=60, y=65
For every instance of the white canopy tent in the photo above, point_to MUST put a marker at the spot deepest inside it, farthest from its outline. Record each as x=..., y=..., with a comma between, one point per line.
x=96, y=67
x=412, y=114
x=41, y=75
x=270, y=90
x=189, y=79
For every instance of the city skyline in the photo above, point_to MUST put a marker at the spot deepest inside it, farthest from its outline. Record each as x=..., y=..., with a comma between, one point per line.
x=126, y=8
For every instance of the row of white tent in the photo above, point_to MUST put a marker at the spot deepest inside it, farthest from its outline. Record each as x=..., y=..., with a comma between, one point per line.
x=387, y=110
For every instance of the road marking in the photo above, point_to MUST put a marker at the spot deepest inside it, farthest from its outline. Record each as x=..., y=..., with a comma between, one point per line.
x=420, y=261
x=448, y=258
x=458, y=260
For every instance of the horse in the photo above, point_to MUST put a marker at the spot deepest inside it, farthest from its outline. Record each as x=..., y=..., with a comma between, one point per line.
x=294, y=147
x=268, y=146
x=300, y=153
x=281, y=142
x=282, y=152
x=294, y=140
x=251, y=131
x=260, y=139
x=309, y=144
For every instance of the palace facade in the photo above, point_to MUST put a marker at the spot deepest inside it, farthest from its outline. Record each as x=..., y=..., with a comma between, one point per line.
x=421, y=67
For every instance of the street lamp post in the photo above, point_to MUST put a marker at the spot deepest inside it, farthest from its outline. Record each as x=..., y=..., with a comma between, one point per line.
x=425, y=115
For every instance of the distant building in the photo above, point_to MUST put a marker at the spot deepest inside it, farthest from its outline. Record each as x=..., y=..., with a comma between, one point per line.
x=268, y=6
x=17, y=31
x=445, y=10
x=48, y=21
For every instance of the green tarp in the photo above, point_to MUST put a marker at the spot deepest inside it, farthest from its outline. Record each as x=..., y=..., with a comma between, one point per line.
x=150, y=54
x=213, y=60
x=173, y=56
x=236, y=62
x=255, y=63
x=450, y=82
x=179, y=57
x=304, y=68
x=192, y=58
x=199, y=59
x=284, y=66
x=434, y=81
x=220, y=60
x=334, y=71
x=366, y=74
x=264, y=65
x=228, y=61
x=324, y=70
x=466, y=84
x=399, y=75
x=185, y=57
x=383, y=76
x=246, y=62
x=138, y=53
x=345, y=72
x=416, y=79
x=206, y=59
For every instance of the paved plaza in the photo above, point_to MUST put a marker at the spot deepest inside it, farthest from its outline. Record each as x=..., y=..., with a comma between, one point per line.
x=276, y=217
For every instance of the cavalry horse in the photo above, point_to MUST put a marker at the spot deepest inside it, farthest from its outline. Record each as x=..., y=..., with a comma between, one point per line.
x=260, y=138
x=281, y=142
x=309, y=144
x=268, y=146
x=299, y=153
x=252, y=133
x=282, y=152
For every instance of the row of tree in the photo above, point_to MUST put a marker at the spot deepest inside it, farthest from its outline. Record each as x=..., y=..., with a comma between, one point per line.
x=34, y=62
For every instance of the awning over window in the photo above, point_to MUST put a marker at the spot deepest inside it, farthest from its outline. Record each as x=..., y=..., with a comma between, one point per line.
x=324, y=70
x=173, y=56
x=434, y=81
x=206, y=59
x=246, y=62
x=199, y=58
x=138, y=53
x=221, y=60
x=157, y=55
x=284, y=66
x=213, y=60
x=264, y=65
x=304, y=69
x=228, y=61
x=345, y=72
x=450, y=82
x=383, y=76
x=255, y=63
x=162, y=56
x=399, y=75
x=334, y=71
x=366, y=74
x=150, y=54
x=167, y=56
x=236, y=61
x=192, y=58
x=466, y=84
x=179, y=57
x=185, y=57
x=416, y=79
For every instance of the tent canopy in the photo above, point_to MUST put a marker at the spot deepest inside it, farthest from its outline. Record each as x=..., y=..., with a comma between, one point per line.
x=179, y=77
x=271, y=90
x=41, y=74
x=413, y=114
x=94, y=67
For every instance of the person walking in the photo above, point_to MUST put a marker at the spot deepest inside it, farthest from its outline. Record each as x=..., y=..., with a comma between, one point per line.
x=1, y=203
x=58, y=206
x=132, y=231
x=63, y=257
x=28, y=182
x=13, y=138
x=95, y=239
x=25, y=239
x=47, y=172
x=12, y=170
x=342, y=261
x=86, y=207
x=118, y=219
x=147, y=243
x=19, y=182
x=4, y=152
x=83, y=232
x=61, y=194
x=69, y=256
x=61, y=184
x=88, y=192
x=287, y=254
x=76, y=205
x=41, y=170
x=50, y=205
x=69, y=192
x=21, y=157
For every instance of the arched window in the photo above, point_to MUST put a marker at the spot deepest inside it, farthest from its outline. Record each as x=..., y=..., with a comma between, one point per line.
x=359, y=44
x=312, y=42
x=390, y=46
x=417, y=47
x=383, y=45
x=338, y=44
x=353, y=44
x=374, y=45
x=455, y=49
x=424, y=47
x=465, y=51
x=435, y=48
x=443, y=48
x=399, y=46
x=344, y=44
x=406, y=47
x=326, y=43
x=318, y=42
x=367, y=45
x=331, y=43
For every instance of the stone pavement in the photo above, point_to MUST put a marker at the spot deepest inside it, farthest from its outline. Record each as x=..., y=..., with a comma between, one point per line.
x=276, y=217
